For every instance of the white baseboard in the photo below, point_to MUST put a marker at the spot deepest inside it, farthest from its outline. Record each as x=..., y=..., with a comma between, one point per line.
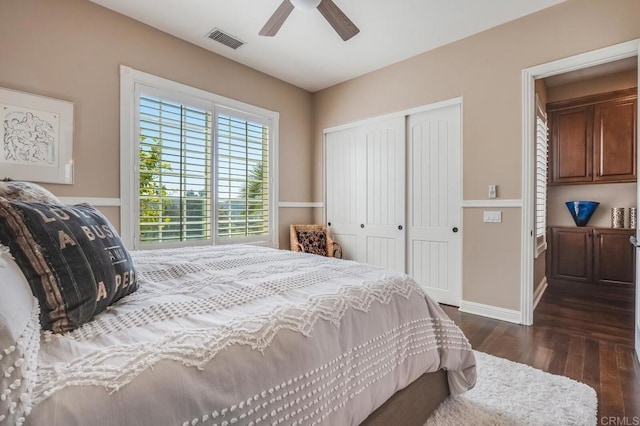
x=537, y=295
x=490, y=311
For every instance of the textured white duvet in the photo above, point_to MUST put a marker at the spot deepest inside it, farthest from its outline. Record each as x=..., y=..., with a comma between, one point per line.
x=245, y=335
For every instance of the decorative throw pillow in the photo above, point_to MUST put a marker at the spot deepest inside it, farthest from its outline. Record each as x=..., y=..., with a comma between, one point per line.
x=27, y=191
x=73, y=259
x=313, y=242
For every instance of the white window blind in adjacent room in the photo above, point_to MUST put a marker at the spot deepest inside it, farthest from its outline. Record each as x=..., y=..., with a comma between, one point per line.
x=242, y=175
x=541, y=178
x=175, y=171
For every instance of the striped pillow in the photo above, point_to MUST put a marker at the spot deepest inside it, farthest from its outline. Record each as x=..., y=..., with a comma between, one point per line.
x=73, y=259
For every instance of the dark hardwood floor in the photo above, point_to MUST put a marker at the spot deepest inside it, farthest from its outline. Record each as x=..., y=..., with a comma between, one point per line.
x=581, y=331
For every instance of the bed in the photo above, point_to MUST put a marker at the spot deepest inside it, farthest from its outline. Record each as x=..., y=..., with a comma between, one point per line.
x=235, y=335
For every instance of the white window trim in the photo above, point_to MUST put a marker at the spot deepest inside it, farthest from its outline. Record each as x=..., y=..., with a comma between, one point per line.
x=541, y=246
x=129, y=167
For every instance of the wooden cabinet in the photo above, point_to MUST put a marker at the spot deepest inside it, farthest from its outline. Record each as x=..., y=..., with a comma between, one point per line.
x=614, y=140
x=613, y=256
x=593, y=139
x=591, y=255
x=571, y=254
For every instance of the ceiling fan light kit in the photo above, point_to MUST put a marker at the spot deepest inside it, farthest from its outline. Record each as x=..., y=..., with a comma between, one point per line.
x=332, y=13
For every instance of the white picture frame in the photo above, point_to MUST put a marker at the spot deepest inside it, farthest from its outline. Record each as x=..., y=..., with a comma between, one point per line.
x=36, y=138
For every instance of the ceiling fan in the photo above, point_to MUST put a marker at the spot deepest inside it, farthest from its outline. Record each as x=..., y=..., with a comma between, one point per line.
x=332, y=13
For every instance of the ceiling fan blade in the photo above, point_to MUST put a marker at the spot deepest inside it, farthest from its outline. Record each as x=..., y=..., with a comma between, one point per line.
x=338, y=20
x=277, y=19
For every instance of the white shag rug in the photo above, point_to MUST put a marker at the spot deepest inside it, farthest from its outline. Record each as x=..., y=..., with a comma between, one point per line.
x=512, y=394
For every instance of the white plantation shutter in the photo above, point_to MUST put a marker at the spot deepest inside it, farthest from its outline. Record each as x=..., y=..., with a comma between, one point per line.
x=541, y=178
x=174, y=171
x=195, y=167
x=242, y=178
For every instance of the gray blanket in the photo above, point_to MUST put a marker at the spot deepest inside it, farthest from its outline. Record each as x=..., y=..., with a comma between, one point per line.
x=245, y=335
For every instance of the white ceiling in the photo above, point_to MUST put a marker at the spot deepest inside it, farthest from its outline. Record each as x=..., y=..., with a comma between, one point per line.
x=306, y=51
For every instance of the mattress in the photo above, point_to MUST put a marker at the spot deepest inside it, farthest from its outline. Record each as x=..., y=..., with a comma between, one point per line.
x=247, y=335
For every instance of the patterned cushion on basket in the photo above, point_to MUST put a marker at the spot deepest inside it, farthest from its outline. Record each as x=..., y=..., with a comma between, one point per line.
x=27, y=191
x=72, y=258
x=313, y=242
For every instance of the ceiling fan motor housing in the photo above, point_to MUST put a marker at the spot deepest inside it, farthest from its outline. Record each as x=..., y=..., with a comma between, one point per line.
x=305, y=4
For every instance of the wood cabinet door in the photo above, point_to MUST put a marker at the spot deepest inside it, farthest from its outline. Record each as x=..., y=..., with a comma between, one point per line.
x=613, y=256
x=571, y=153
x=571, y=254
x=615, y=140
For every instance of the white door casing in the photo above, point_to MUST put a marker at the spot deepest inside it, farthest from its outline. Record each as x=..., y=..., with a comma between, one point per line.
x=637, y=317
x=365, y=196
x=434, y=208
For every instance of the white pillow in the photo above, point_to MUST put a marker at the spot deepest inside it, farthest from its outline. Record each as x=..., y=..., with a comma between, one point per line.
x=16, y=300
x=19, y=341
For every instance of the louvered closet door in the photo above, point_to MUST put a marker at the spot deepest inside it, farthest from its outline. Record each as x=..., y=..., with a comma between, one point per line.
x=434, y=186
x=345, y=197
x=384, y=226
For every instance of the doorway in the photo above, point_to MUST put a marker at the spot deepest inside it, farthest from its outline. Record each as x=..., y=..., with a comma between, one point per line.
x=579, y=62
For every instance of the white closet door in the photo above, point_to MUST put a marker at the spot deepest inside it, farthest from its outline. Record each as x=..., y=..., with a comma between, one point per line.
x=434, y=185
x=365, y=197
x=384, y=225
x=345, y=156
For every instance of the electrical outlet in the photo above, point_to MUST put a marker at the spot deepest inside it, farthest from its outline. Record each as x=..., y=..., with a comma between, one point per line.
x=492, y=216
x=493, y=191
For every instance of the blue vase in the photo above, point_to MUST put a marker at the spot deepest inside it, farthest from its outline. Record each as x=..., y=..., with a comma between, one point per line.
x=581, y=211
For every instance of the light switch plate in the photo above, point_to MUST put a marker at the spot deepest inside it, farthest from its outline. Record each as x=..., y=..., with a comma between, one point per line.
x=492, y=216
x=493, y=192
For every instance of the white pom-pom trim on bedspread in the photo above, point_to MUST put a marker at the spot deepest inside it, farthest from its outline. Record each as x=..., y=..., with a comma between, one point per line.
x=115, y=367
x=18, y=364
x=310, y=398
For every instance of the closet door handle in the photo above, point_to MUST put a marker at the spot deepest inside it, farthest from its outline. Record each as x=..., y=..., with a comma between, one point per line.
x=455, y=229
x=362, y=225
x=399, y=227
x=329, y=224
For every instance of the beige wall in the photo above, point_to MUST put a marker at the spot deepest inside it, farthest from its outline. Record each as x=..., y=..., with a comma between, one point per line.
x=72, y=50
x=608, y=195
x=485, y=70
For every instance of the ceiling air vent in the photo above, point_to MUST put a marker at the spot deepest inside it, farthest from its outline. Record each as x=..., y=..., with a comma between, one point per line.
x=224, y=38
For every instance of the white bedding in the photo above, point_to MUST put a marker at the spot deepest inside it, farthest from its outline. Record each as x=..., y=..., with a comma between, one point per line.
x=245, y=335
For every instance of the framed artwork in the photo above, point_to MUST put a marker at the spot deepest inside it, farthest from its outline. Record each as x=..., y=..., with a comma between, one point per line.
x=36, y=138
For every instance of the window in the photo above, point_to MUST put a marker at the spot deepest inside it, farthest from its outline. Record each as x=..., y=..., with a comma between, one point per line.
x=196, y=168
x=174, y=171
x=242, y=177
x=541, y=178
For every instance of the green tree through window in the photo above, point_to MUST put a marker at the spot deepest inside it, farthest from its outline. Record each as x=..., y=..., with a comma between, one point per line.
x=152, y=192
